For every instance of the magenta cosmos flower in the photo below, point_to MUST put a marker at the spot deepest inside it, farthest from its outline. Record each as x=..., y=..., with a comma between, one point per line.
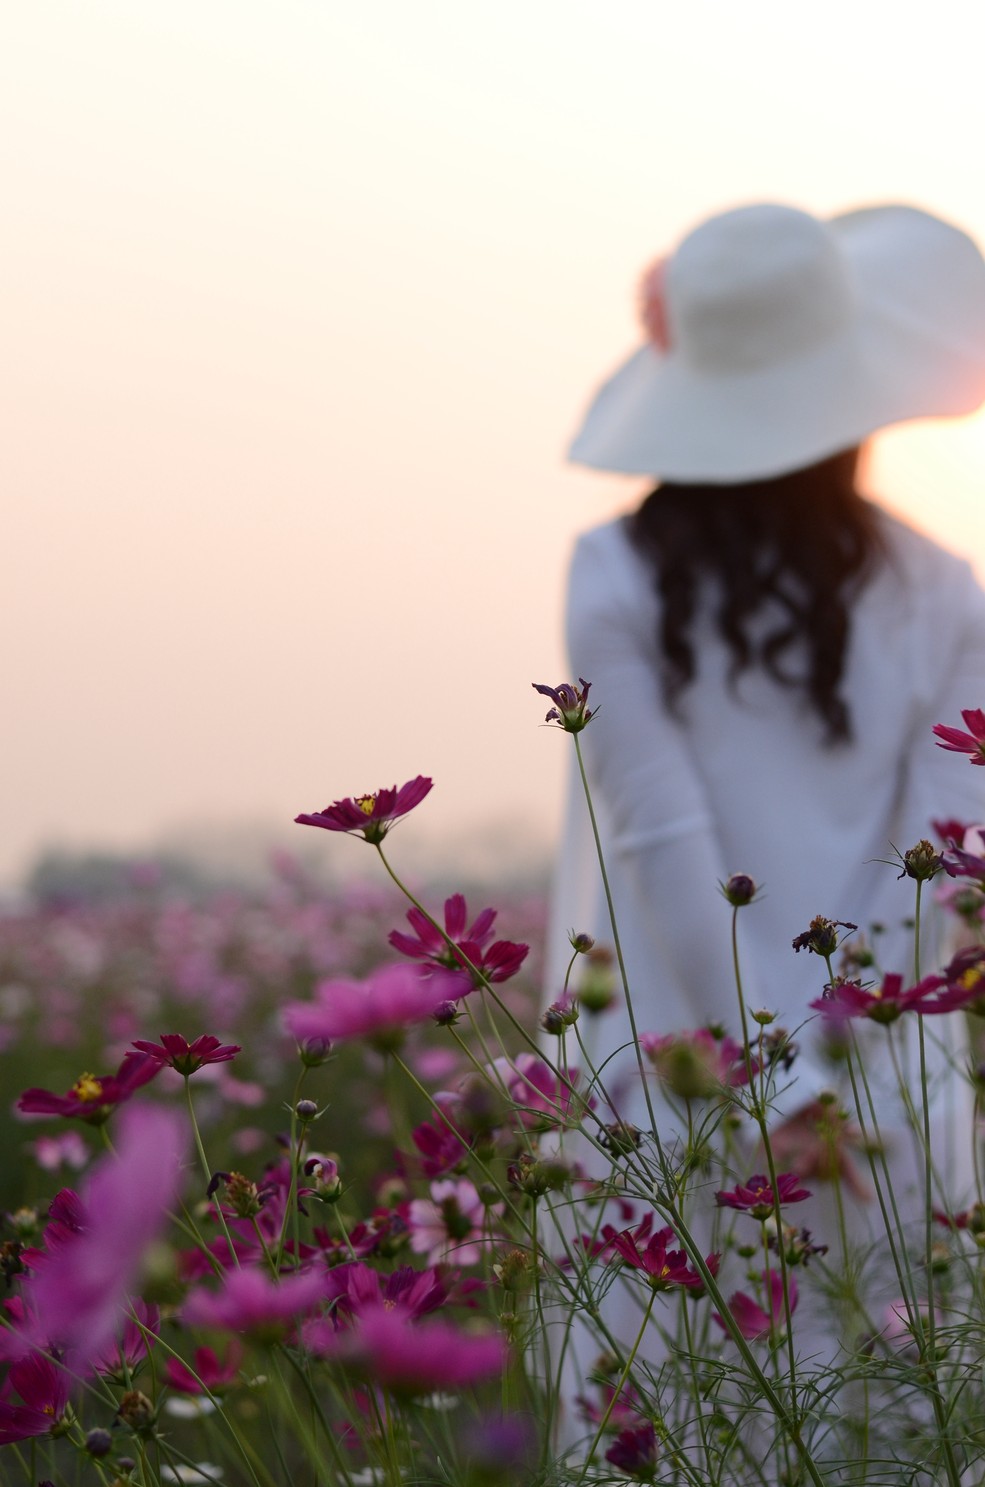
x=757, y=1198
x=570, y=710
x=43, y=1390
x=751, y=1319
x=971, y=743
x=370, y=816
x=634, y=1451
x=379, y=1008
x=885, y=1003
x=696, y=1065
x=650, y=1253
x=386, y=1347
x=177, y=1053
x=251, y=1301
x=470, y=947
x=209, y=1374
x=93, y=1097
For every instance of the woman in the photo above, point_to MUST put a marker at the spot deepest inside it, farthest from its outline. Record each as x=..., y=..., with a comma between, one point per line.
x=767, y=650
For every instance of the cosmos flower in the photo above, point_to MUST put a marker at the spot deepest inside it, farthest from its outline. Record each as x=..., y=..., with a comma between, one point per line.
x=885, y=1003
x=569, y=711
x=757, y=1198
x=93, y=1098
x=370, y=816
x=386, y=1347
x=251, y=1301
x=634, y=1451
x=379, y=1008
x=43, y=1389
x=470, y=947
x=971, y=743
x=696, y=1065
x=209, y=1374
x=177, y=1053
x=451, y=1224
x=650, y=1253
x=750, y=1318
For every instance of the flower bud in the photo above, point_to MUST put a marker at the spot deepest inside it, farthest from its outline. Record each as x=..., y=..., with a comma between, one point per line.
x=763, y=1017
x=306, y=1110
x=922, y=862
x=580, y=942
x=739, y=890
x=314, y=1051
x=137, y=1411
x=99, y=1442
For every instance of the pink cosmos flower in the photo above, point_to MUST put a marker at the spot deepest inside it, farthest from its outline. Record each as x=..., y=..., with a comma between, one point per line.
x=370, y=816
x=650, y=1253
x=968, y=859
x=750, y=1318
x=496, y=962
x=209, y=1374
x=67, y=1149
x=387, y=1348
x=542, y=1098
x=379, y=1008
x=93, y=1098
x=884, y=1004
x=251, y=1301
x=756, y=1197
x=441, y=1148
x=80, y=1296
x=971, y=743
x=451, y=1224
x=43, y=1389
x=141, y=1327
x=176, y=1052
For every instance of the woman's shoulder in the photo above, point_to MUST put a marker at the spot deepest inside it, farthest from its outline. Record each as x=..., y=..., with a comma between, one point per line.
x=916, y=555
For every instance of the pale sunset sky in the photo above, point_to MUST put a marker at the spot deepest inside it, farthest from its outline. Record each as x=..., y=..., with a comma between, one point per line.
x=301, y=302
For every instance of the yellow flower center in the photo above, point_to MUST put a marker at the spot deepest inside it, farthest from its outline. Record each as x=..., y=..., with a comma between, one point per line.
x=970, y=977
x=88, y=1088
x=366, y=803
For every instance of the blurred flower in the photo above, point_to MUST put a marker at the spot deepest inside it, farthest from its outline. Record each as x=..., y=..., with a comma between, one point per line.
x=750, y=1318
x=634, y=1451
x=387, y=1348
x=93, y=1098
x=79, y=1296
x=66, y=1149
x=757, y=1196
x=818, y=1140
x=543, y=1099
x=251, y=1301
x=821, y=938
x=178, y=1053
x=125, y=1353
x=379, y=1008
x=569, y=711
x=696, y=1065
x=968, y=860
x=739, y=890
x=452, y=1224
x=370, y=816
x=441, y=1148
x=208, y=1374
x=971, y=743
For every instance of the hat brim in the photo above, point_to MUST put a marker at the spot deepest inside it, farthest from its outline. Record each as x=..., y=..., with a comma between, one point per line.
x=915, y=348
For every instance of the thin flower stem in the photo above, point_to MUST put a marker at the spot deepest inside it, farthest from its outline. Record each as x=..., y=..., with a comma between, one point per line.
x=614, y=1397
x=617, y=942
x=291, y=1209
x=203, y=1159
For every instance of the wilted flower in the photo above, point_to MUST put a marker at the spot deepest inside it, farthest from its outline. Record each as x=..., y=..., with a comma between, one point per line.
x=971, y=743
x=569, y=711
x=176, y=1052
x=921, y=862
x=822, y=936
x=370, y=816
x=93, y=1098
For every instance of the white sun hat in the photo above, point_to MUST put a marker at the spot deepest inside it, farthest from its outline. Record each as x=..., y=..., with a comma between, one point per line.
x=777, y=339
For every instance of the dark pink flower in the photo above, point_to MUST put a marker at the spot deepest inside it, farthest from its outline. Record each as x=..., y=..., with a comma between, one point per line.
x=971, y=743
x=968, y=859
x=651, y=1253
x=387, y=1348
x=176, y=1052
x=469, y=960
x=379, y=1008
x=756, y=1197
x=250, y=1300
x=885, y=1003
x=442, y=1149
x=124, y=1354
x=43, y=1389
x=569, y=711
x=542, y=1098
x=209, y=1374
x=750, y=1318
x=357, y=1288
x=370, y=816
x=93, y=1098
x=634, y=1451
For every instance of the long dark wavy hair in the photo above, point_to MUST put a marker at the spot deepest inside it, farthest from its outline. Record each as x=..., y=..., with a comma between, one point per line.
x=795, y=550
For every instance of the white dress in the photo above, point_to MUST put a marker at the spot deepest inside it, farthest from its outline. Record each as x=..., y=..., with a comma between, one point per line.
x=744, y=783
